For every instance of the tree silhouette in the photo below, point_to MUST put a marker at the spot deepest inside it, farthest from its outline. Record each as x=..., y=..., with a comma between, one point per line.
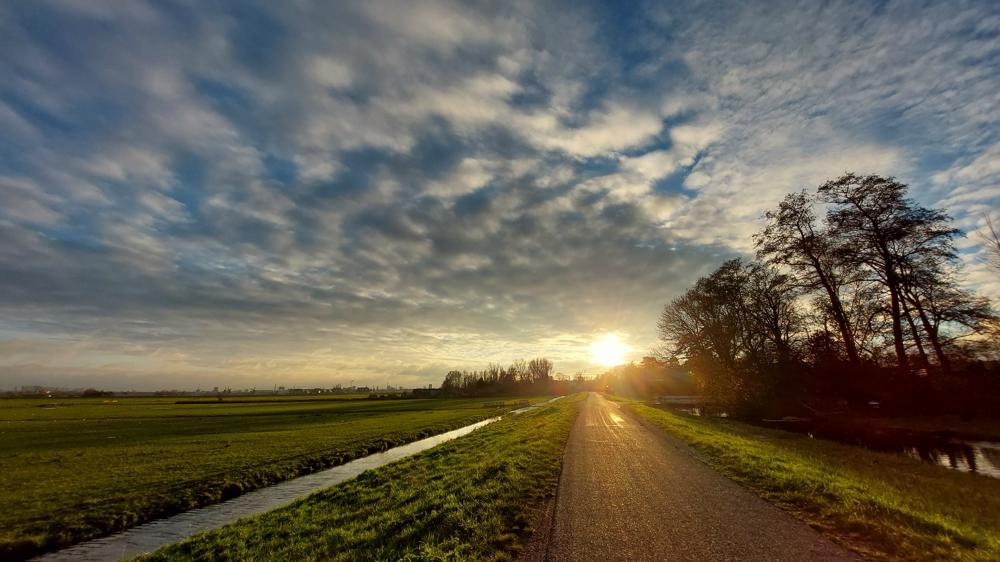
x=992, y=239
x=878, y=228
x=833, y=302
x=791, y=238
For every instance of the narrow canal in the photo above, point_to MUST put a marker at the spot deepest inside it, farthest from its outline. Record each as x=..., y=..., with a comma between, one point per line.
x=156, y=534
x=964, y=455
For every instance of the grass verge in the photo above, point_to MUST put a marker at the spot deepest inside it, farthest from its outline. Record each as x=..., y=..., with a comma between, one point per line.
x=884, y=506
x=469, y=499
x=71, y=470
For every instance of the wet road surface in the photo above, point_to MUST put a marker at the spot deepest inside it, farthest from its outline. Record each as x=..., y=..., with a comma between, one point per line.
x=630, y=492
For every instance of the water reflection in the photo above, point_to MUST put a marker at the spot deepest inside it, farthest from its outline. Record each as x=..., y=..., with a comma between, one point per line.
x=703, y=411
x=980, y=457
x=977, y=457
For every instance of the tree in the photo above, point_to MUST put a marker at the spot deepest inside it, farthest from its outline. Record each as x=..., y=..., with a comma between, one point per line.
x=540, y=370
x=792, y=239
x=452, y=381
x=878, y=228
x=520, y=377
x=937, y=301
x=519, y=370
x=769, y=298
x=992, y=239
x=736, y=329
x=705, y=322
x=881, y=276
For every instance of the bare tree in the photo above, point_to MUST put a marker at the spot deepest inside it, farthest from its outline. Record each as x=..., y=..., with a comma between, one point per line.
x=452, y=381
x=879, y=228
x=770, y=308
x=937, y=301
x=791, y=238
x=882, y=274
x=521, y=376
x=519, y=370
x=540, y=370
x=705, y=320
x=992, y=239
x=736, y=327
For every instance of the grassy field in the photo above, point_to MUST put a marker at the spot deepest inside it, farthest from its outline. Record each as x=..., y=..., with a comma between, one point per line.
x=245, y=398
x=887, y=507
x=79, y=468
x=469, y=499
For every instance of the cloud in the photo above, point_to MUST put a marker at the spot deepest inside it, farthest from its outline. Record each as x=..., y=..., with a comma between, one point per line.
x=382, y=191
x=610, y=129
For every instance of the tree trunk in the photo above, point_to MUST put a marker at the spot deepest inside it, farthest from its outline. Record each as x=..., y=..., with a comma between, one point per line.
x=924, y=361
x=894, y=286
x=897, y=320
x=839, y=316
x=932, y=335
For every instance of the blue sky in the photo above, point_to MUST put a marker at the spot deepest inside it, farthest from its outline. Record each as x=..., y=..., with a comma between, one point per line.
x=257, y=193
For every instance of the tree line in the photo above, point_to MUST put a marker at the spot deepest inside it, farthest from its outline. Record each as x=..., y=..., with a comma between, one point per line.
x=854, y=295
x=521, y=377
x=646, y=378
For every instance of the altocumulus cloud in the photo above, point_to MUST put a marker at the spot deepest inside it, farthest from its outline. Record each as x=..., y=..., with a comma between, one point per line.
x=246, y=193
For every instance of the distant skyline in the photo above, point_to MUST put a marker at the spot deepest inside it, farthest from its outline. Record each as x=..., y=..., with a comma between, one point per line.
x=308, y=194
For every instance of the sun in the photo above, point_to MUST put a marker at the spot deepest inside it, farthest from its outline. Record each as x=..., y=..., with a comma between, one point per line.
x=609, y=351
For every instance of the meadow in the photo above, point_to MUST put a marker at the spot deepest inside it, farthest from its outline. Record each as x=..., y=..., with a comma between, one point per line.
x=885, y=506
x=473, y=498
x=73, y=469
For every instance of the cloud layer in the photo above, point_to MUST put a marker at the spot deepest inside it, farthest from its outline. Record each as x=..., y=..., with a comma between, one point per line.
x=249, y=193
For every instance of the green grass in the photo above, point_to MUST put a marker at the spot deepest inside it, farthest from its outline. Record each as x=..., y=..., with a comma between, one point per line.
x=269, y=398
x=469, y=499
x=79, y=468
x=885, y=506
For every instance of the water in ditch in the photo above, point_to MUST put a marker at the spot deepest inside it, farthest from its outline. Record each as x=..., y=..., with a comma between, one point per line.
x=975, y=456
x=155, y=534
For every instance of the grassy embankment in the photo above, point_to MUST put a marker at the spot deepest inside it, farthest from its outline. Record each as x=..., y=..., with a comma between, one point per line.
x=79, y=468
x=469, y=499
x=885, y=506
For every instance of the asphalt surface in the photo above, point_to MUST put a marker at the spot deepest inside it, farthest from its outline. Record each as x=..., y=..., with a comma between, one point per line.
x=630, y=492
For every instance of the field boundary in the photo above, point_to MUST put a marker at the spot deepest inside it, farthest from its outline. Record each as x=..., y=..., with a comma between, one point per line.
x=219, y=486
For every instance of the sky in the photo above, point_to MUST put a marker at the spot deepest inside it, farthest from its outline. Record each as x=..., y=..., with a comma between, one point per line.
x=239, y=193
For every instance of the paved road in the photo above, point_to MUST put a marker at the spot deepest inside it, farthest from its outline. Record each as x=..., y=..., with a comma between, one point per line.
x=629, y=492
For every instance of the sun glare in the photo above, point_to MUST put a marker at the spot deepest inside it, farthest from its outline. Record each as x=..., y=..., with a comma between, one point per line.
x=609, y=351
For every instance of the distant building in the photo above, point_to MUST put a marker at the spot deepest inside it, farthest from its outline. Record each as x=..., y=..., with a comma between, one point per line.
x=425, y=392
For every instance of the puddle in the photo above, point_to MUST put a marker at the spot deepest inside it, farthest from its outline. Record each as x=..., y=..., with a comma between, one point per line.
x=155, y=534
